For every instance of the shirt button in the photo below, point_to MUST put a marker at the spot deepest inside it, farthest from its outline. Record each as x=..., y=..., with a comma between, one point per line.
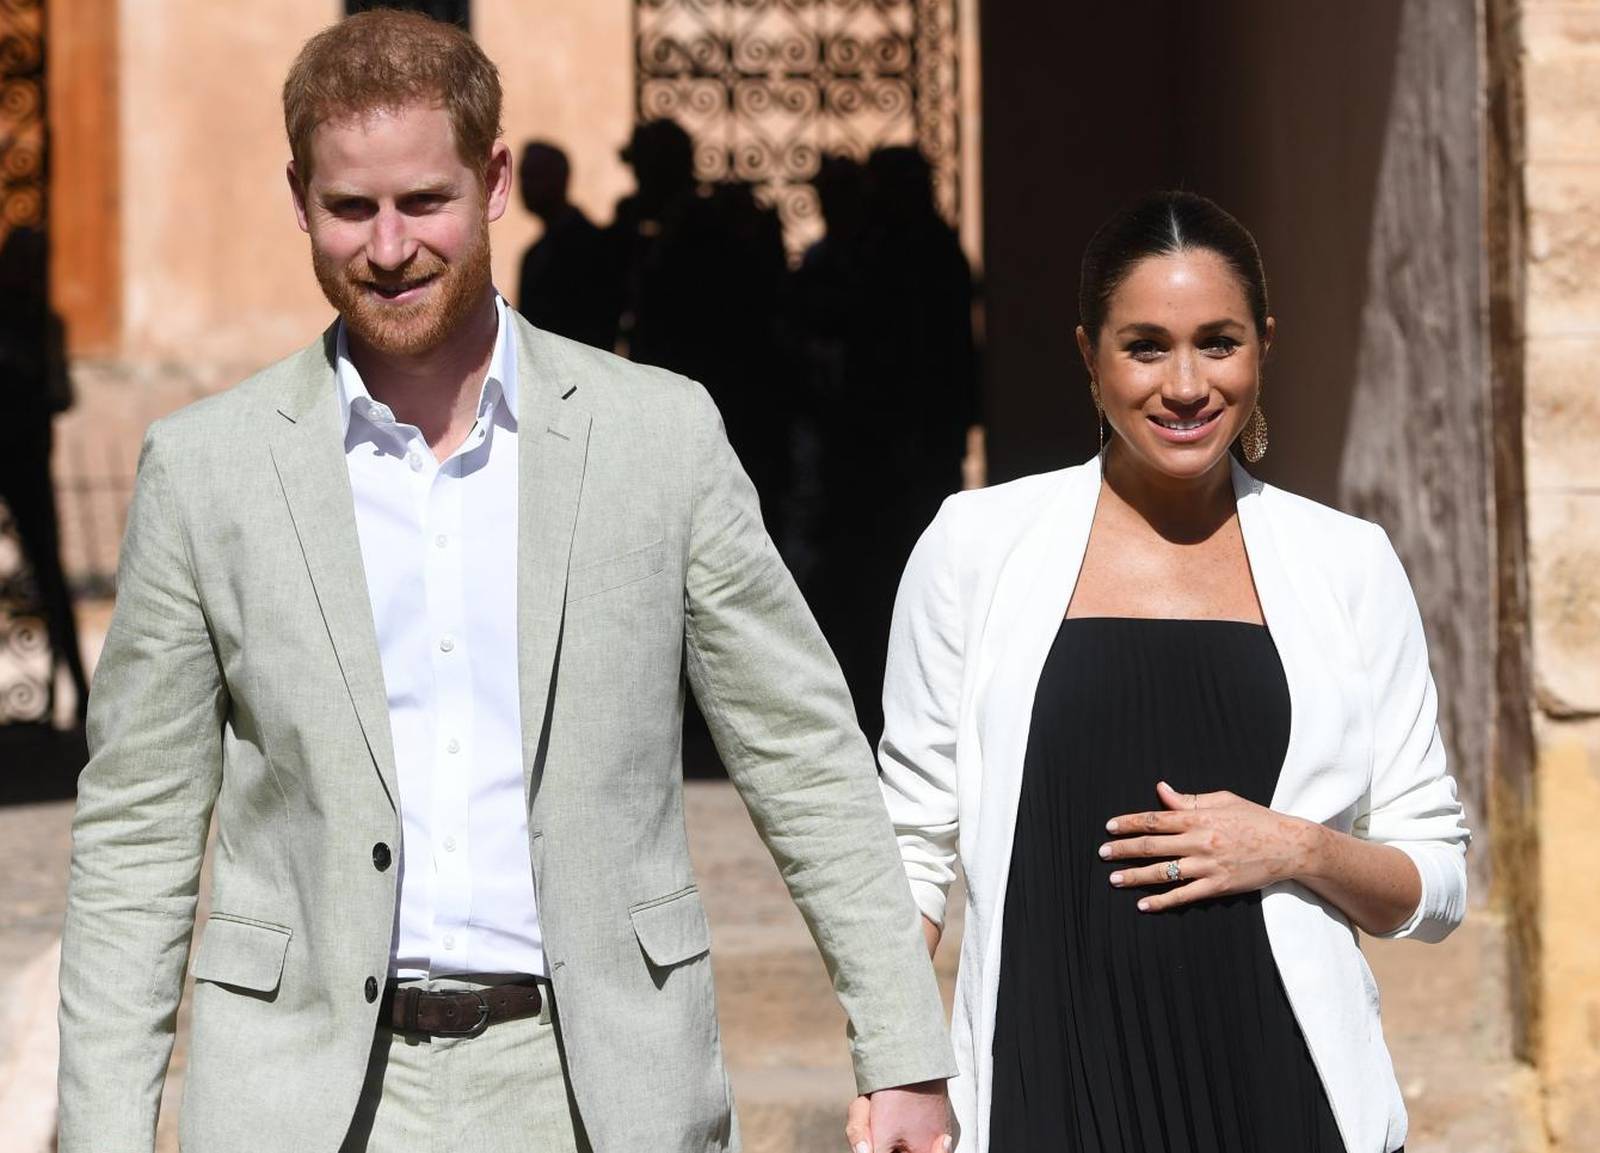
x=454, y=746
x=372, y=989
x=449, y=941
x=441, y=540
x=449, y=844
x=447, y=644
x=381, y=857
x=415, y=460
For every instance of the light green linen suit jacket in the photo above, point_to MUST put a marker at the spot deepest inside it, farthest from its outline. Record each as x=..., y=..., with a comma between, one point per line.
x=241, y=675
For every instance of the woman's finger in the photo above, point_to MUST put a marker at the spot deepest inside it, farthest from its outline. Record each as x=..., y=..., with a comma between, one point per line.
x=858, y=1125
x=1159, y=822
x=1189, y=869
x=1147, y=848
x=1187, y=894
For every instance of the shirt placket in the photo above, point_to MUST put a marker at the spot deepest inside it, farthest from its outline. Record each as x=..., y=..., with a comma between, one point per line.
x=453, y=733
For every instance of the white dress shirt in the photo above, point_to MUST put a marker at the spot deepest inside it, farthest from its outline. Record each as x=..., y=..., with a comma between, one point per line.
x=439, y=545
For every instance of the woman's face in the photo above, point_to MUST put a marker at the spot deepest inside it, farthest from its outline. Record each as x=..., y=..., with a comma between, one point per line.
x=1178, y=362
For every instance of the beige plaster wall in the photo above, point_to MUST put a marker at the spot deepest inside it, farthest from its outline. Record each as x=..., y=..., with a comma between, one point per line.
x=215, y=269
x=1561, y=174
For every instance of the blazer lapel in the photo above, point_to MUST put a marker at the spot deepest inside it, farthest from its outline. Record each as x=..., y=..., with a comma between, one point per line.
x=553, y=445
x=308, y=453
x=1031, y=596
x=1313, y=750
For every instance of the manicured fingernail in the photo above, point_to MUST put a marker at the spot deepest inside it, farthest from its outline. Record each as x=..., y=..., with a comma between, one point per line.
x=1105, y=852
x=1111, y=825
x=949, y=1143
x=1116, y=878
x=863, y=1147
x=1144, y=906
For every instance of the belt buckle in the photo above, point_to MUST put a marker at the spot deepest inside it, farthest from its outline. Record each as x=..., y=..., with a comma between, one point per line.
x=477, y=1026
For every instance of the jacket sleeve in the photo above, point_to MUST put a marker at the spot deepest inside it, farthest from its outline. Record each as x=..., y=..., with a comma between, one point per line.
x=1411, y=799
x=780, y=714
x=921, y=715
x=139, y=832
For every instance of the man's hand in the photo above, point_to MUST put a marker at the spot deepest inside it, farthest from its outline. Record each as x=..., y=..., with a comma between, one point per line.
x=909, y=1119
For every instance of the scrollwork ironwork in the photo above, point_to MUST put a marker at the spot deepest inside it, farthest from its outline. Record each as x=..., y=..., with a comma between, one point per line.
x=767, y=87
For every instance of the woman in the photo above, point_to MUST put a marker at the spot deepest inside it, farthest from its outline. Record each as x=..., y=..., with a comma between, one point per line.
x=1178, y=728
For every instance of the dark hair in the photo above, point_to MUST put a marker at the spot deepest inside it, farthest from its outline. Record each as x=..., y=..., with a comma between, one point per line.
x=1160, y=224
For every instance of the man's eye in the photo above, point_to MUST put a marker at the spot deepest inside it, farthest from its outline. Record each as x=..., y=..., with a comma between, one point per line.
x=350, y=209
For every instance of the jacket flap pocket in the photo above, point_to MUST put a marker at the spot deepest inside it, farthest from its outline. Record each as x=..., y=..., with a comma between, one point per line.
x=601, y=576
x=672, y=929
x=248, y=954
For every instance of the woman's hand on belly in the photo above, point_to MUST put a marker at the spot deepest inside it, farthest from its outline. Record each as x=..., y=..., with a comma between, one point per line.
x=1220, y=844
x=1223, y=844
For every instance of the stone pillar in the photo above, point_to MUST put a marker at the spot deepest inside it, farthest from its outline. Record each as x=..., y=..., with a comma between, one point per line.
x=1544, y=233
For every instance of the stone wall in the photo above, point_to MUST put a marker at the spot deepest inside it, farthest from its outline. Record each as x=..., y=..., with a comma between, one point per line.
x=1554, y=278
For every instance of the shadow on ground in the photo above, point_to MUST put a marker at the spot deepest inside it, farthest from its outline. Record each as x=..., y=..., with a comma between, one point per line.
x=40, y=763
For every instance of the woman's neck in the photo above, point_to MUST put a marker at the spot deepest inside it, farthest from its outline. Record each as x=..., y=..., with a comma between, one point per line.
x=1184, y=510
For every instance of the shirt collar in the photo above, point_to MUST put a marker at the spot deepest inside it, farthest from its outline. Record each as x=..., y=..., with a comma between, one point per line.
x=500, y=383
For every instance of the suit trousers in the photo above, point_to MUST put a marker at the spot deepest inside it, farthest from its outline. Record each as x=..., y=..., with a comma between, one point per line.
x=503, y=1091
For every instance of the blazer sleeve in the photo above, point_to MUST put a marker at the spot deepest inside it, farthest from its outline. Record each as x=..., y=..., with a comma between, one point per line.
x=1410, y=802
x=921, y=717
x=139, y=831
x=781, y=716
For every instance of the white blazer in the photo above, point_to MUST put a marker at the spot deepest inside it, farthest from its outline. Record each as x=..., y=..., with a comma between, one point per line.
x=979, y=606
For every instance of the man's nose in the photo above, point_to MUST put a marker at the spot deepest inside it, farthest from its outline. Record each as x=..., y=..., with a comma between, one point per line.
x=389, y=246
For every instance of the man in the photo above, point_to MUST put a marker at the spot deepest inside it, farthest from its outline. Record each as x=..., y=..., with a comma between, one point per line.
x=410, y=615
x=568, y=281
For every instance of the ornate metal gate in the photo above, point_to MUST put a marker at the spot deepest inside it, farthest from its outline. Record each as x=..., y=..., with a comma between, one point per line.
x=767, y=87
x=24, y=649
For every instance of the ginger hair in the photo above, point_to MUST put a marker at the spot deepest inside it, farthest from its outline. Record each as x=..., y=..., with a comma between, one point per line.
x=383, y=61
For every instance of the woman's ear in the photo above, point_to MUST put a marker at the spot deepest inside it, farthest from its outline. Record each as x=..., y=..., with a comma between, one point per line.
x=1086, y=350
x=1266, y=337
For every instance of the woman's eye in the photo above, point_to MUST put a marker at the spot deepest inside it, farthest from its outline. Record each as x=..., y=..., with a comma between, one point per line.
x=1144, y=350
x=1221, y=344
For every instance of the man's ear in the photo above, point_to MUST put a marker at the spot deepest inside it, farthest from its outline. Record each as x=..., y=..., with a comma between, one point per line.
x=297, y=191
x=497, y=180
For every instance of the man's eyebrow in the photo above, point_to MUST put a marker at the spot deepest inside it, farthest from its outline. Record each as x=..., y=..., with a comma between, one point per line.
x=440, y=187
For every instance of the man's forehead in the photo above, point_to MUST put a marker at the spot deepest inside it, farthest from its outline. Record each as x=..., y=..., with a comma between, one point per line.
x=416, y=139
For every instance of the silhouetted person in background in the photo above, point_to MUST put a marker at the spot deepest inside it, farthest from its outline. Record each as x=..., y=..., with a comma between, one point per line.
x=567, y=282
x=703, y=273
x=34, y=386
x=886, y=304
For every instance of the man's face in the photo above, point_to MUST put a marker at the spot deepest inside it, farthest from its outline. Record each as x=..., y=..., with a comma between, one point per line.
x=399, y=225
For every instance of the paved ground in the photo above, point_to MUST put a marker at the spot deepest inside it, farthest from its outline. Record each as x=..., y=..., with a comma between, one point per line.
x=1444, y=1013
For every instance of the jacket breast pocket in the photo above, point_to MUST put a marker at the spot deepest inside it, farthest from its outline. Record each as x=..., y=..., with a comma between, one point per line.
x=242, y=953
x=614, y=572
x=672, y=929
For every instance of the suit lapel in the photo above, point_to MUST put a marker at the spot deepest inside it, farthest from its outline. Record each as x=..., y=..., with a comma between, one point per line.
x=553, y=443
x=308, y=453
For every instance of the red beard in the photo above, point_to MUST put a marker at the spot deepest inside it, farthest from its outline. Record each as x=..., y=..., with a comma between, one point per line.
x=412, y=328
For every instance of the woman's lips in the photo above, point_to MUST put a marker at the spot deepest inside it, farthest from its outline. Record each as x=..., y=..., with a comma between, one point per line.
x=1184, y=431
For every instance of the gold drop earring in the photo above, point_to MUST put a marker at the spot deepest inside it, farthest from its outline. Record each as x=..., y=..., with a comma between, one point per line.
x=1254, y=437
x=1099, y=411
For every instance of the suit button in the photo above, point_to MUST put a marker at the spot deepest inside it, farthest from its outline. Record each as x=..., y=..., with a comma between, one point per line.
x=381, y=857
x=372, y=989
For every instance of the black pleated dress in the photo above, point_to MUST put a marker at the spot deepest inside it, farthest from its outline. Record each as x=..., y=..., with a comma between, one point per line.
x=1119, y=1031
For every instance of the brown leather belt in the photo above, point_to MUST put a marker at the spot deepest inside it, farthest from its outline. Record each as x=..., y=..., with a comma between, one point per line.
x=457, y=1012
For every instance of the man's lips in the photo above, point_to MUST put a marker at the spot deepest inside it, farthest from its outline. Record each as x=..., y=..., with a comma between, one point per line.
x=401, y=292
